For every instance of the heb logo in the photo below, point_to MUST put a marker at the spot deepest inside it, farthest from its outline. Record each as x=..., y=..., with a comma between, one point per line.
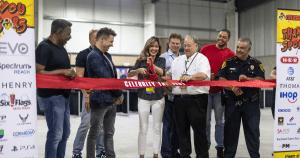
x=289, y=60
x=291, y=96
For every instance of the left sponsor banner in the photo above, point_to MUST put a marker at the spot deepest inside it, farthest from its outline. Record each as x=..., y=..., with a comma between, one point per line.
x=18, y=117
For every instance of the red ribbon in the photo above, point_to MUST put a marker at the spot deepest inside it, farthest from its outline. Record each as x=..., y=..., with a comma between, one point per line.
x=62, y=82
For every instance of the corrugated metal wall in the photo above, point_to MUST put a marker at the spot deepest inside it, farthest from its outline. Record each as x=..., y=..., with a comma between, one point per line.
x=259, y=24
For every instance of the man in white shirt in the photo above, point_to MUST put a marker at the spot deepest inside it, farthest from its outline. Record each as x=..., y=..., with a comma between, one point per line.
x=191, y=102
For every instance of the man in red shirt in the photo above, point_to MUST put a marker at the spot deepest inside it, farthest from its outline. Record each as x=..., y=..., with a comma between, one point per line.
x=217, y=54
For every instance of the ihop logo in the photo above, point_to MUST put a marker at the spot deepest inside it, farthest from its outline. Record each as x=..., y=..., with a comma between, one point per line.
x=291, y=71
x=291, y=96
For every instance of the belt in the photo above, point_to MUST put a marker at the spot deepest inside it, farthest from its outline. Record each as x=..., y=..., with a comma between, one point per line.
x=189, y=96
x=240, y=101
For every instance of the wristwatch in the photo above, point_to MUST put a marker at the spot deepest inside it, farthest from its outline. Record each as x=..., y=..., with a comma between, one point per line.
x=87, y=96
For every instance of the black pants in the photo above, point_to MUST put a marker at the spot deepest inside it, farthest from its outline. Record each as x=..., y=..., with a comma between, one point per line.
x=191, y=111
x=249, y=113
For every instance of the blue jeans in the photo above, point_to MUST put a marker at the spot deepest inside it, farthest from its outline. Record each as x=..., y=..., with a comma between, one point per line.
x=57, y=113
x=170, y=139
x=214, y=102
x=82, y=131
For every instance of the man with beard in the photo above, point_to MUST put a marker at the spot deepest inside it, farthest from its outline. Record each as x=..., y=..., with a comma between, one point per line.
x=216, y=54
x=241, y=103
x=170, y=140
x=103, y=102
x=52, y=58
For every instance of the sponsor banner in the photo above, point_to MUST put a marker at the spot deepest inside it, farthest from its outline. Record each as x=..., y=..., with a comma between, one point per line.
x=18, y=117
x=287, y=109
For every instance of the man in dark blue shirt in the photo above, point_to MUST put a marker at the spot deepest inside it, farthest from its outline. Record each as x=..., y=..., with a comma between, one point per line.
x=52, y=58
x=241, y=103
x=85, y=115
x=103, y=103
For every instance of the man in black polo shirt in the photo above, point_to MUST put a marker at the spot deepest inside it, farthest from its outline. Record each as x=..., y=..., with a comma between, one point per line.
x=52, y=58
x=85, y=115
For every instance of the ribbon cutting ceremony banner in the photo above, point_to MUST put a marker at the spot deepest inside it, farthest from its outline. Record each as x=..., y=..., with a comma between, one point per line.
x=62, y=82
x=287, y=108
x=18, y=113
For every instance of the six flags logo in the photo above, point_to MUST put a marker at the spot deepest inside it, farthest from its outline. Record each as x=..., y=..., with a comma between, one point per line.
x=10, y=12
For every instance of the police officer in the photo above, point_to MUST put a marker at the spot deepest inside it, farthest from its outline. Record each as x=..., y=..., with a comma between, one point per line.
x=241, y=102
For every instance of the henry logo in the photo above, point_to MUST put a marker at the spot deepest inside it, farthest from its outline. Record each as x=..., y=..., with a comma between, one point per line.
x=291, y=96
x=289, y=60
x=280, y=121
x=16, y=68
x=8, y=10
x=283, y=131
x=21, y=103
x=281, y=17
x=4, y=100
x=2, y=136
x=285, y=145
x=284, y=110
x=26, y=133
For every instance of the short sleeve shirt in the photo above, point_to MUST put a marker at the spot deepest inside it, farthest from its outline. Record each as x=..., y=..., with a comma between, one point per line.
x=195, y=64
x=53, y=57
x=216, y=57
x=81, y=60
x=159, y=93
x=234, y=67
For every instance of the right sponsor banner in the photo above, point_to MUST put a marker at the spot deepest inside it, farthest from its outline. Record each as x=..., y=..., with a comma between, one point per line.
x=287, y=105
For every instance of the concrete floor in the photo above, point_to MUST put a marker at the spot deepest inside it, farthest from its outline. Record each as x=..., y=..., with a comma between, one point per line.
x=126, y=136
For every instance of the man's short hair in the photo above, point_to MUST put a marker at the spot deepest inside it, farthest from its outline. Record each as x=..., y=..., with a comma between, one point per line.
x=195, y=38
x=59, y=24
x=175, y=35
x=105, y=33
x=246, y=40
x=227, y=31
x=91, y=33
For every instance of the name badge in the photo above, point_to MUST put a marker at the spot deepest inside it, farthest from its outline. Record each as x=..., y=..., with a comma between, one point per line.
x=150, y=90
x=181, y=87
x=232, y=68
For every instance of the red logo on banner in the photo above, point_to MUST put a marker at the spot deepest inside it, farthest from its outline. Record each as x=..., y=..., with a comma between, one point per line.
x=289, y=60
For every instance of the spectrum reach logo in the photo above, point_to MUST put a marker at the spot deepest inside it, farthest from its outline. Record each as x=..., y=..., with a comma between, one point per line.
x=26, y=133
x=16, y=68
x=291, y=96
x=21, y=103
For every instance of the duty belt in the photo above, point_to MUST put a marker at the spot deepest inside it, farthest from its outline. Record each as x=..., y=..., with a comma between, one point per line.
x=240, y=101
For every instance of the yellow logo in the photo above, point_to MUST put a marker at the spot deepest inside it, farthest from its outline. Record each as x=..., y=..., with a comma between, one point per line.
x=261, y=67
x=281, y=16
x=223, y=65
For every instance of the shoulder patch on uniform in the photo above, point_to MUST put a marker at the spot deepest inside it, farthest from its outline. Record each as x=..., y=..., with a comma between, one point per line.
x=232, y=58
x=255, y=60
x=261, y=67
x=223, y=65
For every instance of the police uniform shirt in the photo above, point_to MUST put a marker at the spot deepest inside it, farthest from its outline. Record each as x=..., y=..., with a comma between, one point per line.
x=233, y=67
x=195, y=64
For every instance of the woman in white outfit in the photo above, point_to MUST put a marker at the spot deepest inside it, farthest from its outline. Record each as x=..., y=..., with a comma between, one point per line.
x=147, y=97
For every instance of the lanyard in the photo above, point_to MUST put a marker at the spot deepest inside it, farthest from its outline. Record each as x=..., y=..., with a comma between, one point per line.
x=187, y=68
